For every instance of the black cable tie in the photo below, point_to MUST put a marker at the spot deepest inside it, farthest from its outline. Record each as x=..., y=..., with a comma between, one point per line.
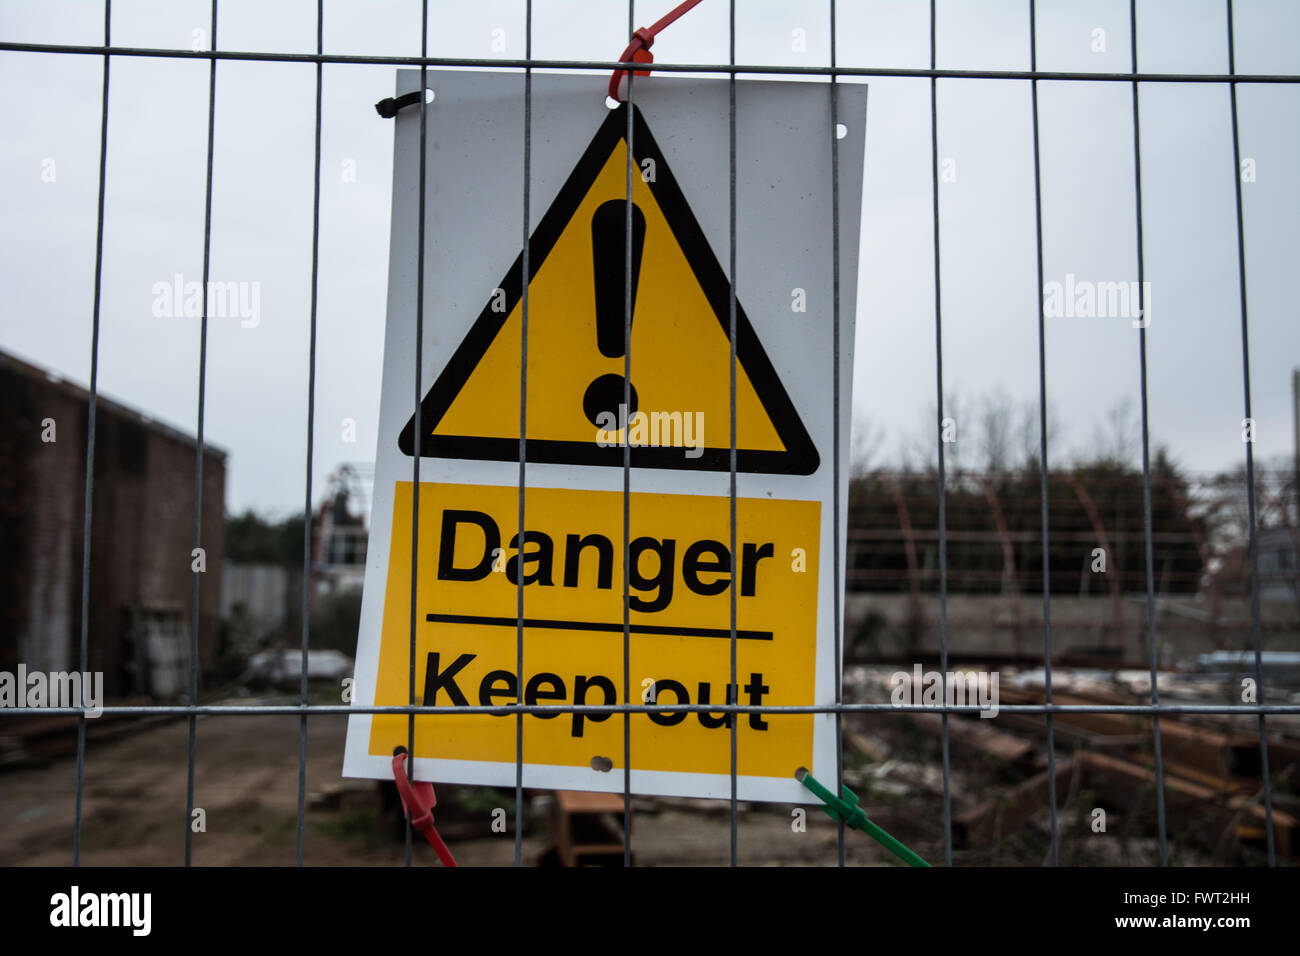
x=389, y=107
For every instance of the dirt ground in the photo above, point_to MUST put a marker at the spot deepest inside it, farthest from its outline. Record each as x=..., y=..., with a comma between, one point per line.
x=246, y=780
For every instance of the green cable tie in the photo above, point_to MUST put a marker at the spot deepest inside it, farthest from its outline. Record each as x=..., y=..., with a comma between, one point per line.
x=845, y=807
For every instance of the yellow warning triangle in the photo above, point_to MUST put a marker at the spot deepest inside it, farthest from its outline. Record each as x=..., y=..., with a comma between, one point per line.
x=679, y=414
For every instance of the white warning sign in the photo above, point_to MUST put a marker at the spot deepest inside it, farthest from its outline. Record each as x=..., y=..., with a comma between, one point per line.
x=659, y=391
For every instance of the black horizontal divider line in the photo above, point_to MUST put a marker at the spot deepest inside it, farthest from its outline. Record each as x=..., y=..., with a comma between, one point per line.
x=663, y=630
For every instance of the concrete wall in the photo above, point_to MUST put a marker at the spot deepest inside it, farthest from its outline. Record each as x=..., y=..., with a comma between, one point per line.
x=891, y=626
x=257, y=600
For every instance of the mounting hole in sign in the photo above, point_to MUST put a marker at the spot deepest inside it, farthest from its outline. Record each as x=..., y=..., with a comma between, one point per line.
x=841, y=131
x=602, y=764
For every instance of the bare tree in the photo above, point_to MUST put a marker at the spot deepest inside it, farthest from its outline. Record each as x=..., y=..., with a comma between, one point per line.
x=919, y=448
x=868, y=443
x=1029, y=431
x=993, y=430
x=1118, y=437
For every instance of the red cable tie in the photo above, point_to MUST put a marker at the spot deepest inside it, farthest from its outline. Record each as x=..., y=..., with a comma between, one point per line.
x=420, y=797
x=638, y=50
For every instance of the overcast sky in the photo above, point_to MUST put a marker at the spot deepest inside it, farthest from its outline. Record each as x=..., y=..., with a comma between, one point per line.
x=262, y=206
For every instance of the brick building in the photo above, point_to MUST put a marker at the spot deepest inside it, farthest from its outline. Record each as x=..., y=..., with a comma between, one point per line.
x=141, y=538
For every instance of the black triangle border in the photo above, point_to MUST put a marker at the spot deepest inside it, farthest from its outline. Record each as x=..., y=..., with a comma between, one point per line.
x=800, y=456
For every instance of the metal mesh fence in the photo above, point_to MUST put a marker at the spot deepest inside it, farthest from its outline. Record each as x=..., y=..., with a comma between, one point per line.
x=831, y=74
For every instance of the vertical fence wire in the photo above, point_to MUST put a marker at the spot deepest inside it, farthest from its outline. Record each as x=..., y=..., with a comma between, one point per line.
x=417, y=441
x=943, y=483
x=1250, y=449
x=89, y=505
x=525, y=277
x=1146, y=451
x=1042, y=437
x=837, y=621
x=732, y=719
x=311, y=432
x=627, y=459
x=198, y=449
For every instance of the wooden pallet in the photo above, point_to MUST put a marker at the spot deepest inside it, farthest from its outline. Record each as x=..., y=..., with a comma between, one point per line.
x=586, y=833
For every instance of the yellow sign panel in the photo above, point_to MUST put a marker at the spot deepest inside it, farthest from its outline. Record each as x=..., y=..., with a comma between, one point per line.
x=681, y=573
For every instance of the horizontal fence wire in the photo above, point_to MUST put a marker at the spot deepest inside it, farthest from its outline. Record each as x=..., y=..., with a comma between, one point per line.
x=500, y=710
x=759, y=69
x=732, y=69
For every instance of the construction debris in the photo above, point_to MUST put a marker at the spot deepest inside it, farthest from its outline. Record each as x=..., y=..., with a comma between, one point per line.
x=1211, y=766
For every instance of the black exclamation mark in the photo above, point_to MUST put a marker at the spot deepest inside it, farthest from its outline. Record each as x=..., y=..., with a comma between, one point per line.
x=609, y=260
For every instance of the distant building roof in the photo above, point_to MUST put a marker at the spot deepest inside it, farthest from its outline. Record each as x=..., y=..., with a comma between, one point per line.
x=59, y=383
